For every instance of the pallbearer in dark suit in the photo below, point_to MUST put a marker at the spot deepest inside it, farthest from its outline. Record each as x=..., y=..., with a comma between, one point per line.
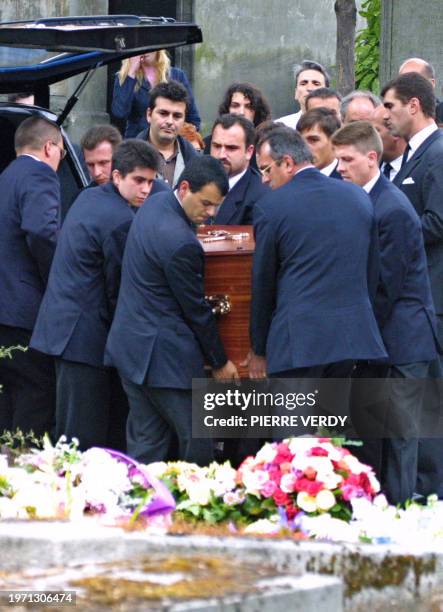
x=232, y=142
x=311, y=314
x=317, y=127
x=403, y=307
x=79, y=303
x=30, y=211
x=164, y=330
x=409, y=102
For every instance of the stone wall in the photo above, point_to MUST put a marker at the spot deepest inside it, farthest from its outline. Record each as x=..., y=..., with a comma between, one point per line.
x=411, y=29
x=259, y=42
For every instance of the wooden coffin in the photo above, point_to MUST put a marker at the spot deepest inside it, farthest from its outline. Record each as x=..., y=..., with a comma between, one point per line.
x=228, y=273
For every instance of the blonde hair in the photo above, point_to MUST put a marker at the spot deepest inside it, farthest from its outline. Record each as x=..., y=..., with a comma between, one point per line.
x=162, y=68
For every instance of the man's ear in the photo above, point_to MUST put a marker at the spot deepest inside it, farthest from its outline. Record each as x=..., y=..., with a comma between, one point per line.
x=249, y=152
x=183, y=188
x=148, y=115
x=116, y=177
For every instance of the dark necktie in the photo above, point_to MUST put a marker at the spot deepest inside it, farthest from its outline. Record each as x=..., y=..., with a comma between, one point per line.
x=387, y=170
x=404, y=159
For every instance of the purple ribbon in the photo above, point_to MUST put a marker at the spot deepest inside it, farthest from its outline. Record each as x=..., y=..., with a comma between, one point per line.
x=163, y=500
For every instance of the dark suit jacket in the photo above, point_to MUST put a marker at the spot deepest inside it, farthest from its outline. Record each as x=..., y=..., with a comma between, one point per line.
x=310, y=299
x=403, y=304
x=77, y=309
x=30, y=211
x=425, y=169
x=238, y=205
x=163, y=329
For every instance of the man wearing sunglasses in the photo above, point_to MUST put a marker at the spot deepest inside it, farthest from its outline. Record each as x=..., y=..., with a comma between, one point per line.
x=29, y=209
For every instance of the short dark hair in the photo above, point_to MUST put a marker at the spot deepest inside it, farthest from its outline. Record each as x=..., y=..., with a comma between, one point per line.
x=100, y=133
x=34, y=131
x=325, y=118
x=286, y=141
x=202, y=170
x=172, y=90
x=323, y=93
x=135, y=153
x=229, y=120
x=413, y=85
x=362, y=135
x=258, y=101
x=310, y=65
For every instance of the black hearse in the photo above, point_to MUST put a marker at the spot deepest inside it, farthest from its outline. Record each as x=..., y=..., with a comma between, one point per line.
x=37, y=54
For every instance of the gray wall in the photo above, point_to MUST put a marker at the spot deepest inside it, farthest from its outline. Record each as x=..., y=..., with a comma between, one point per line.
x=259, y=42
x=411, y=29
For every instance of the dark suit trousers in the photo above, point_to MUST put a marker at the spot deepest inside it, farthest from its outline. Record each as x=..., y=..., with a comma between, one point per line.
x=392, y=450
x=27, y=400
x=91, y=405
x=430, y=457
x=332, y=404
x=156, y=417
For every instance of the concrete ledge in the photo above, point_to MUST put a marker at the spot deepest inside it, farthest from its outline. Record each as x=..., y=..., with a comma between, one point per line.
x=382, y=577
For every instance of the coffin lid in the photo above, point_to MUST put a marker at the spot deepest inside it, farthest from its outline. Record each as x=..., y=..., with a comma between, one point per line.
x=45, y=51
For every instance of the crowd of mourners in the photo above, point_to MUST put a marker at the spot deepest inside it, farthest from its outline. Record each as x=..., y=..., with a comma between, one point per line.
x=346, y=199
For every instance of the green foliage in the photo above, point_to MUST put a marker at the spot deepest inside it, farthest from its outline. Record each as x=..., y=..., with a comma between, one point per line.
x=15, y=443
x=367, y=48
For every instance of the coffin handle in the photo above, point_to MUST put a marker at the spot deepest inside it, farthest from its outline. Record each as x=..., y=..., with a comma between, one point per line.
x=220, y=304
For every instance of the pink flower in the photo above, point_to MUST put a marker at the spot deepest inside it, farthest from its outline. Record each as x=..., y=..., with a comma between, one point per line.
x=312, y=487
x=268, y=489
x=287, y=483
x=318, y=451
x=280, y=497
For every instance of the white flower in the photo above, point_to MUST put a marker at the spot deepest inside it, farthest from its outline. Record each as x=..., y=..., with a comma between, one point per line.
x=325, y=500
x=266, y=454
x=327, y=528
x=264, y=526
x=3, y=464
x=157, y=469
x=253, y=481
x=306, y=502
x=199, y=493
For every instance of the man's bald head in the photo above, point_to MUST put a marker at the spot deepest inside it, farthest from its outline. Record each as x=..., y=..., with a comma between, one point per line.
x=416, y=64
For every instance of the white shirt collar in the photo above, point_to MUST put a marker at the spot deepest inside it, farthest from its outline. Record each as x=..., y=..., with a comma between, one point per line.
x=290, y=120
x=29, y=155
x=420, y=137
x=178, y=199
x=395, y=166
x=304, y=168
x=370, y=184
x=327, y=170
x=233, y=180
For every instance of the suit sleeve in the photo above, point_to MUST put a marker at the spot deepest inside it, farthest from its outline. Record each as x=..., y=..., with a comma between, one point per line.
x=373, y=263
x=398, y=237
x=264, y=281
x=113, y=249
x=40, y=214
x=185, y=275
x=122, y=97
x=432, y=217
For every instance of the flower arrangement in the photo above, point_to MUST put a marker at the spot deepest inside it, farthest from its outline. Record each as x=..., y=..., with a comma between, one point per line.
x=60, y=482
x=282, y=483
